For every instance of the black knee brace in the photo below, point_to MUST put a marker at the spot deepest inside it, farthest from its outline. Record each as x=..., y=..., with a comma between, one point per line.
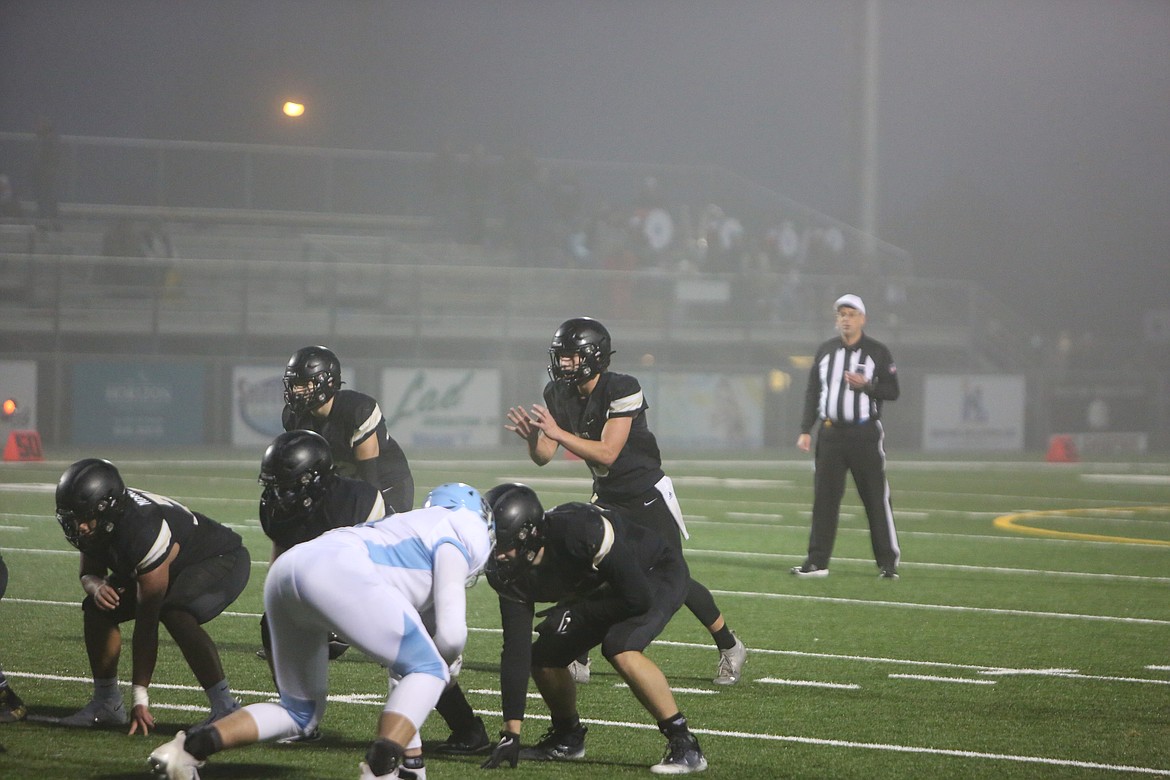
x=383, y=756
x=203, y=741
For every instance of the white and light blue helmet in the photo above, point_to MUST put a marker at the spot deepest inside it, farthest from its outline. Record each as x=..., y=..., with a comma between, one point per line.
x=459, y=495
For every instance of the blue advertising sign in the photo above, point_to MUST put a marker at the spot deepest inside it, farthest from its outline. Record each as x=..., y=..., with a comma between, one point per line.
x=137, y=403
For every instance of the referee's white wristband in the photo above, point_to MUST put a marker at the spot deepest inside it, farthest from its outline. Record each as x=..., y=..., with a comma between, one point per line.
x=139, y=695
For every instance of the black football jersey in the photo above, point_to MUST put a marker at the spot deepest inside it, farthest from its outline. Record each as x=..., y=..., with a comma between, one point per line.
x=590, y=553
x=639, y=465
x=594, y=563
x=143, y=537
x=347, y=502
x=354, y=418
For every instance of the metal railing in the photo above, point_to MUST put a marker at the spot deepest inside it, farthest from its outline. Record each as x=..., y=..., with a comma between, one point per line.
x=55, y=300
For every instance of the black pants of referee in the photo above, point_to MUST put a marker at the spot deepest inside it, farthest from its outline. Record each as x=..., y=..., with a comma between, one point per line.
x=857, y=450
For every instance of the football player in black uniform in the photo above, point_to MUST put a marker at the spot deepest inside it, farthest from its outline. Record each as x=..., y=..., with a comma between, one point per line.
x=12, y=707
x=600, y=416
x=152, y=560
x=303, y=497
x=614, y=584
x=350, y=421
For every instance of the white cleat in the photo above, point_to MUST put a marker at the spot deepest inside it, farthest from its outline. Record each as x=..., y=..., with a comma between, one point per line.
x=368, y=774
x=731, y=663
x=172, y=761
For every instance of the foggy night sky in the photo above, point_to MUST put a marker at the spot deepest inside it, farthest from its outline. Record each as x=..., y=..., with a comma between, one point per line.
x=1024, y=144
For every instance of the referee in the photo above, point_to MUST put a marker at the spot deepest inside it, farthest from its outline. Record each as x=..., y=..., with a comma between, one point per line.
x=850, y=378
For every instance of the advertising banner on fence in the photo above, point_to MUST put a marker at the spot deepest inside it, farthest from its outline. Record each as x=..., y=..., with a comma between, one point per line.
x=706, y=411
x=442, y=407
x=257, y=400
x=974, y=413
x=138, y=403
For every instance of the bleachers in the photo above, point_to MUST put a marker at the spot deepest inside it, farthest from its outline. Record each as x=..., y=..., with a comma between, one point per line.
x=314, y=286
x=254, y=265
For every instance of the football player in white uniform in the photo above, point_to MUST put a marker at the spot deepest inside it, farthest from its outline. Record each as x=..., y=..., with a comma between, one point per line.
x=415, y=567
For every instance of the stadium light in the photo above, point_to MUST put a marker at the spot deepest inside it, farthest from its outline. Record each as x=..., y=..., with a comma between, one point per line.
x=293, y=109
x=8, y=408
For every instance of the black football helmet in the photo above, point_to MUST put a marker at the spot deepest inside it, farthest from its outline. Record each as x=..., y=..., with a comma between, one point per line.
x=90, y=489
x=586, y=338
x=519, y=518
x=312, y=377
x=295, y=472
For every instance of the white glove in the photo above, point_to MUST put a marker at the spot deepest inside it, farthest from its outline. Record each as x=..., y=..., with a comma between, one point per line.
x=455, y=668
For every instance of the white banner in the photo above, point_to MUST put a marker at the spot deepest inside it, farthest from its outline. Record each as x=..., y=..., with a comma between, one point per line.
x=257, y=401
x=442, y=407
x=973, y=412
x=706, y=411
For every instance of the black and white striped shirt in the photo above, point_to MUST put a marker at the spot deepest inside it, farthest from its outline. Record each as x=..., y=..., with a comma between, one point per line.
x=829, y=397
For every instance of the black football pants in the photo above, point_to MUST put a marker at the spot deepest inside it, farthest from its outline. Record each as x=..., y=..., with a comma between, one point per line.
x=856, y=450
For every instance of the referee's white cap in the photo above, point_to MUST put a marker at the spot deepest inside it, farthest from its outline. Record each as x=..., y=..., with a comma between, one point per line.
x=850, y=300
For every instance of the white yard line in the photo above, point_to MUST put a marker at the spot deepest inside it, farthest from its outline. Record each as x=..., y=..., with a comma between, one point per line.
x=370, y=700
x=936, y=678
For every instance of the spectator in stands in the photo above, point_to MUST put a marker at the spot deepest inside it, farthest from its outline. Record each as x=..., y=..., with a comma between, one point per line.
x=122, y=243
x=46, y=167
x=605, y=237
x=519, y=199
x=155, y=243
x=756, y=292
x=444, y=170
x=10, y=208
x=478, y=176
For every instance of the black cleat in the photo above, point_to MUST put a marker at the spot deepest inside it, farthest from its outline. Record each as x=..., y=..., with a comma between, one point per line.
x=466, y=742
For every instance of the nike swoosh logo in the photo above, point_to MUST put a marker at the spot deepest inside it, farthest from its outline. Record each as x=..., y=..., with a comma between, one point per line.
x=648, y=503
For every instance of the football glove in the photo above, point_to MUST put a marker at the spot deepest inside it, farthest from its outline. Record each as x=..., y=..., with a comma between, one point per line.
x=506, y=751
x=558, y=619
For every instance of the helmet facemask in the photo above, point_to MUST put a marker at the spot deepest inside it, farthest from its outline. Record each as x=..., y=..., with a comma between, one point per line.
x=291, y=501
x=580, y=351
x=306, y=395
x=519, y=526
x=90, y=491
x=312, y=377
x=295, y=472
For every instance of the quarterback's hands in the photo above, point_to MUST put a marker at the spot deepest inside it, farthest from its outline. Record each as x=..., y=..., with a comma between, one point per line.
x=558, y=619
x=542, y=420
x=521, y=424
x=506, y=751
